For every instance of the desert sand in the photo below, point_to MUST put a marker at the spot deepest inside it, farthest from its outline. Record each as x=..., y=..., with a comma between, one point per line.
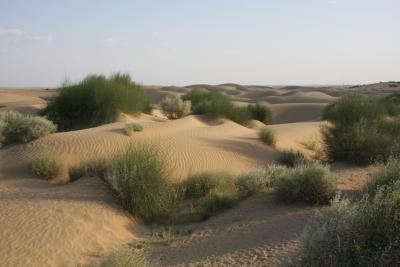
x=50, y=224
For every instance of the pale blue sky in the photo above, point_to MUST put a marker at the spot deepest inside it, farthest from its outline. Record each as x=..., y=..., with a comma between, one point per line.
x=204, y=41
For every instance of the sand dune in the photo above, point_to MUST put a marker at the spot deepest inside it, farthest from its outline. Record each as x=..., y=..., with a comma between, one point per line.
x=297, y=112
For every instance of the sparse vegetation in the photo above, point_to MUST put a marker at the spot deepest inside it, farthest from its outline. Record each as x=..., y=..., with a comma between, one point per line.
x=260, y=112
x=362, y=130
x=214, y=103
x=140, y=178
x=364, y=233
x=258, y=181
x=292, y=158
x=132, y=127
x=124, y=258
x=386, y=176
x=17, y=127
x=311, y=184
x=96, y=100
x=267, y=136
x=175, y=107
x=47, y=167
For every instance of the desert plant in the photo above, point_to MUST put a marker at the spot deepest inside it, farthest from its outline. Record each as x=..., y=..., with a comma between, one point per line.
x=47, y=167
x=260, y=112
x=267, y=136
x=175, y=107
x=132, y=127
x=96, y=100
x=311, y=184
x=364, y=233
x=17, y=127
x=2, y=137
x=361, y=130
x=387, y=175
x=141, y=181
x=292, y=158
x=214, y=103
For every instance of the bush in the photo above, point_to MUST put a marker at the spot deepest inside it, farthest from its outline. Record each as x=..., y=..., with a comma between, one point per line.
x=47, y=167
x=386, y=176
x=175, y=108
x=2, y=137
x=258, y=181
x=132, y=127
x=365, y=233
x=361, y=130
x=17, y=127
x=140, y=178
x=260, y=112
x=215, y=191
x=96, y=100
x=291, y=158
x=267, y=136
x=311, y=184
x=214, y=103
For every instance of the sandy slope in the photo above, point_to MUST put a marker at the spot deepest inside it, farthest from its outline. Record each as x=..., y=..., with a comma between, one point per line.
x=64, y=225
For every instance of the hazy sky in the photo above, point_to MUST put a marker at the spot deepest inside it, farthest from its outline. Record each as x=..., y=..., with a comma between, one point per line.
x=204, y=41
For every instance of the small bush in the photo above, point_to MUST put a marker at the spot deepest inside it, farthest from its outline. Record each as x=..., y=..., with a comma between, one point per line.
x=386, y=176
x=96, y=100
x=214, y=103
x=132, y=127
x=260, y=112
x=47, y=167
x=311, y=184
x=2, y=137
x=175, y=107
x=140, y=178
x=17, y=127
x=95, y=168
x=291, y=158
x=124, y=258
x=258, y=181
x=364, y=233
x=267, y=136
x=361, y=130
x=214, y=191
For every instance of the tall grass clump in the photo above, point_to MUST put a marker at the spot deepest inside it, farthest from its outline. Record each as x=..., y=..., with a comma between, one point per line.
x=175, y=107
x=311, y=184
x=17, y=127
x=140, y=178
x=267, y=136
x=47, y=167
x=124, y=258
x=385, y=176
x=361, y=130
x=292, y=158
x=96, y=100
x=260, y=112
x=132, y=127
x=214, y=192
x=214, y=103
x=364, y=233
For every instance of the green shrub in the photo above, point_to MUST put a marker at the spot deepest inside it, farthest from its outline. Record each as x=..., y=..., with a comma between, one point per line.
x=17, y=127
x=95, y=168
x=267, y=136
x=291, y=158
x=140, y=178
x=132, y=127
x=361, y=130
x=364, y=233
x=96, y=100
x=175, y=107
x=258, y=181
x=385, y=176
x=47, y=167
x=2, y=137
x=214, y=191
x=214, y=103
x=124, y=258
x=311, y=184
x=260, y=112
